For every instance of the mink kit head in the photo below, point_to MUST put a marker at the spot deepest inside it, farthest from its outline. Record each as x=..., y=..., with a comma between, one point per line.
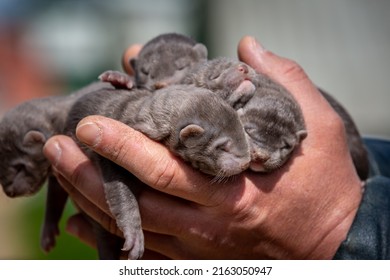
x=166, y=60
x=210, y=135
x=232, y=80
x=273, y=134
x=23, y=167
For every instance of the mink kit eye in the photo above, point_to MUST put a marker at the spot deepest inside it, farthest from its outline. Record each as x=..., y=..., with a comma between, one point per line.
x=223, y=145
x=18, y=168
x=214, y=75
x=181, y=64
x=144, y=71
x=250, y=130
x=286, y=146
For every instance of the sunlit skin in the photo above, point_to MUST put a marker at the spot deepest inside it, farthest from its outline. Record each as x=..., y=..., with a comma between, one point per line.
x=301, y=211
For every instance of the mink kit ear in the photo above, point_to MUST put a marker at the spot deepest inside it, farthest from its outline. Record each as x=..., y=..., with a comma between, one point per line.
x=34, y=139
x=133, y=63
x=190, y=132
x=200, y=50
x=302, y=134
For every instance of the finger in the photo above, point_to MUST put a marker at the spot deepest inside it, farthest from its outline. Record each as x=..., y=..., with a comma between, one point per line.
x=148, y=160
x=88, y=207
x=69, y=161
x=171, y=209
x=79, y=227
x=183, y=248
x=294, y=79
x=79, y=177
x=151, y=255
x=264, y=61
x=290, y=75
x=163, y=245
x=130, y=52
x=180, y=224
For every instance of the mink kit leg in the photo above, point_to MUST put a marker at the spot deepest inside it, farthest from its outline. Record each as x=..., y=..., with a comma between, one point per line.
x=120, y=188
x=55, y=203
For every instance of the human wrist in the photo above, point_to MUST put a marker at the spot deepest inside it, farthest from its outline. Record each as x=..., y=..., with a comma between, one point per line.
x=338, y=222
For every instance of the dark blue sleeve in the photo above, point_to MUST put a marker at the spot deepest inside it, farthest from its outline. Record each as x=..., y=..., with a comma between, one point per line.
x=369, y=236
x=379, y=156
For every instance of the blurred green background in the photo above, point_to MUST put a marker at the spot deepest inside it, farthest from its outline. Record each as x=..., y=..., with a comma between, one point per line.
x=52, y=47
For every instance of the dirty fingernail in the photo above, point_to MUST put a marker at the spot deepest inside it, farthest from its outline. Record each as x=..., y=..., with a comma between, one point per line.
x=256, y=44
x=53, y=151
x=89, y=133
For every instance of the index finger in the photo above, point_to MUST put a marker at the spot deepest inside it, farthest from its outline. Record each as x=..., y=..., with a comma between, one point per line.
x=149, y=161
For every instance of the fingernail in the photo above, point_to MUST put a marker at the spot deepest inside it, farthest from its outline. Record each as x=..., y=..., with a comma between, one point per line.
x=72, y=228
x=256, y=44
x=53, y=152
x=89, y=133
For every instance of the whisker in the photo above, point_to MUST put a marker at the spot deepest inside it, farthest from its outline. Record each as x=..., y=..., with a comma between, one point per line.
x=220, y=178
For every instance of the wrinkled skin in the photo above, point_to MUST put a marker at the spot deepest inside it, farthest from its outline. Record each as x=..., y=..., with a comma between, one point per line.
x=301, y=211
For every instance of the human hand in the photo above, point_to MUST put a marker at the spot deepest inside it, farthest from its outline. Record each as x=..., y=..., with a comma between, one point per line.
x=303, y=210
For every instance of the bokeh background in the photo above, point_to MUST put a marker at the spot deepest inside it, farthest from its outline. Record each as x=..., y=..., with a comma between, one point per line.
x=50, y=47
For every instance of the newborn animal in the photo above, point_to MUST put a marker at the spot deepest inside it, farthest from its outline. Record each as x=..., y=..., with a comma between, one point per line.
x=271, y=117
x=192, y=122
x=164, y=60
x=23, y=167
x=274, y=123
x=233, y=80
x=273, y=140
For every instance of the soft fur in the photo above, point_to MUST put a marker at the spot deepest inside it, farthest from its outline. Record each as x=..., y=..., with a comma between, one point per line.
x=192, y=122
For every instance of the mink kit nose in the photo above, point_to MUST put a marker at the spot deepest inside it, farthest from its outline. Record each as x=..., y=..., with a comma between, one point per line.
x=243, y=68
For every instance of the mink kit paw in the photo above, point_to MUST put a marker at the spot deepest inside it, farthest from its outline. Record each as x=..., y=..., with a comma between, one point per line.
x=134, y=243
x=117, y=79
x=48, y=237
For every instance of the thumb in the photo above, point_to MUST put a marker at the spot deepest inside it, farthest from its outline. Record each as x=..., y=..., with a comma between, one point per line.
x=291, y=75
x=283, y=70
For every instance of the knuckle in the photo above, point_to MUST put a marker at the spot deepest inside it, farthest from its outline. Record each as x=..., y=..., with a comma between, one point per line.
x=123, y=148
x=337, y=127
x=163, y=174
x=109, y=224
x=337, y=123
x=78, y=176
x=334, y=123
x=293, y=71
x=117, y=152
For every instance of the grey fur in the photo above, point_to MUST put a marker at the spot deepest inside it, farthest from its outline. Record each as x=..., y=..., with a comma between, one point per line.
x=163, y=61
x=232, y=80
x=192, y=122
x=213, y=142
x=271, y=117
x=274, y=123
x=238, y=84
x=23, y=132
x=23, y=167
